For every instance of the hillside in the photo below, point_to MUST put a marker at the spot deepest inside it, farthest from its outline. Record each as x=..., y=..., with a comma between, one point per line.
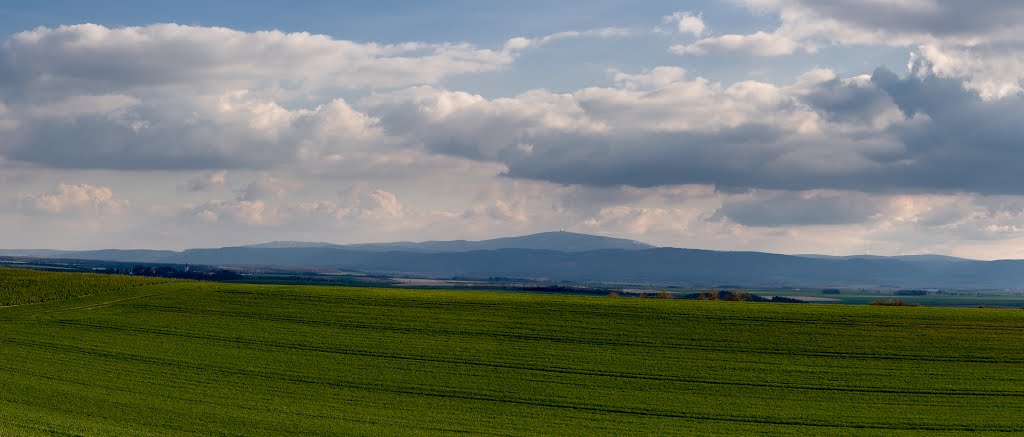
x=557, y=241
x=566, y=256
x=206, y=358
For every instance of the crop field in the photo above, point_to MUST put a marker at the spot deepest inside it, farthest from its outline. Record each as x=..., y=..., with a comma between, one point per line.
x=18, y=287
x=188, y=357
x=959, y=299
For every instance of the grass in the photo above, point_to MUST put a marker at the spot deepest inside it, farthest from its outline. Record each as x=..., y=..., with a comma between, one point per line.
x=19, y=287
x=856, y=297
x=187, y=357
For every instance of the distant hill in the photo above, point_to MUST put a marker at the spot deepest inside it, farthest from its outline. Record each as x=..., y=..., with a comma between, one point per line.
x=289, y=245
x=37, y=253
x=566, y=256
x=927, y=258
x=557, y=241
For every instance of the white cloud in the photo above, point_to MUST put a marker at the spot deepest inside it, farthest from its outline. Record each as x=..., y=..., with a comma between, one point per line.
x=994, y=74
x=658, y=77
x=76, y=198
x=246, y=212
x=954, y=38
x=686, y=23
x=235, y=129
x=94, y=59
x=522, y=43
x=758, y=44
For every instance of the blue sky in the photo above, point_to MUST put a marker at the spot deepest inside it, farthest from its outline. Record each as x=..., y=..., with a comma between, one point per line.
x=796, y=126
x=561, y=68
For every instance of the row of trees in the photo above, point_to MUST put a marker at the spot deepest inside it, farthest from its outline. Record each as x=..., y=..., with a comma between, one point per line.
x=172, y=272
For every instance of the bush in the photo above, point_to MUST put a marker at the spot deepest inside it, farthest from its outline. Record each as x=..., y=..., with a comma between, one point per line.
x=613, y=294
x=664, y=294
x=738, y=296
x=894, y=303
x=711, y=294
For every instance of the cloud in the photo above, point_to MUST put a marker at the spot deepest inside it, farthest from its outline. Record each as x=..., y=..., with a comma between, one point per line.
x=521, y=43
x=788, y=208
x=994, y=72
x=878, y=133
x=233, y=130
x=266, y=187
x=685, y=23
x=247, y=212
x=206, y=182
x=97, y=60
x=758, y=44
x=957, y=39
x=658, y=77
x=634, y=220
x=75, y=199
x=177, y=97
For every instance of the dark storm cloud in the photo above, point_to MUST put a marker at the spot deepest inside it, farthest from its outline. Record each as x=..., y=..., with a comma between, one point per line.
x=967, y=144
x=794, y=209
x=941, y=18
x=951, y=140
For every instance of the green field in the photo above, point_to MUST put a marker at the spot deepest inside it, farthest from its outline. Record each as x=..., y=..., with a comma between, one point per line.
x=182, y=357
x=962, y=298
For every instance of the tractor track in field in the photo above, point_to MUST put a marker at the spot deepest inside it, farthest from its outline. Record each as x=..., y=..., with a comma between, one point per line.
x=521, y=336
x=448, y=393
x=262, y=345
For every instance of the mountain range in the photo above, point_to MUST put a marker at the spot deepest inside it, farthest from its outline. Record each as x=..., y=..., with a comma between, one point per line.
x=567, y=256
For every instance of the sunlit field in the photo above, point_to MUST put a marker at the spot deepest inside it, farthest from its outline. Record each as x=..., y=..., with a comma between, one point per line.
x=113, y=355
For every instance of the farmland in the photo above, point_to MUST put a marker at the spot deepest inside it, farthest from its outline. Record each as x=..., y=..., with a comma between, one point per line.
x=19, y=287
x=158, y=357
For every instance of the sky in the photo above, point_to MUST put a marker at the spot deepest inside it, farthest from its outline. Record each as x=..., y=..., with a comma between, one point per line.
x=885, y=127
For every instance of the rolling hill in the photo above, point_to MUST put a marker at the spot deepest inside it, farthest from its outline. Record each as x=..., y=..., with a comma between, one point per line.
x=565, y=256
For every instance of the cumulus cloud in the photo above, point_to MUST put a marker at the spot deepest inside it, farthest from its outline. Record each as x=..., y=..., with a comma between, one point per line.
x=94, y=59
x=248, y=212
x=874, y=133
x=684, y=22
x=655, y=153
x=237, y=129
x=957, y=39
x=634, y=220
x=177, y=97
x=266, y=187
x=76, y=198
x=207, y=181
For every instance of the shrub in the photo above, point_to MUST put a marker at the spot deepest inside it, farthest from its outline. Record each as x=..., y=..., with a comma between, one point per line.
x=894, y=303
x=710, y=294
x=613, y=294
x=664, y=294
x=738, y=296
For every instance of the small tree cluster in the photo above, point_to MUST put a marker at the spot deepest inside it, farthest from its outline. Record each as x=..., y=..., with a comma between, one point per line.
x=894, y=303
x=710, y=294
x=738, y=296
